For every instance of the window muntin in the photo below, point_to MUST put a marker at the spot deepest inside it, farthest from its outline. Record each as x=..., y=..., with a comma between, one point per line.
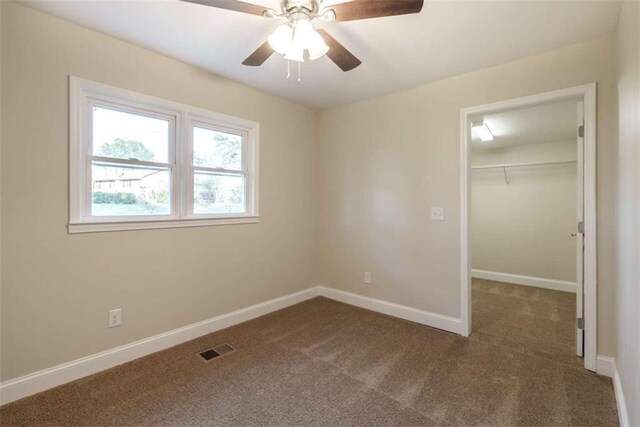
x=141, y=160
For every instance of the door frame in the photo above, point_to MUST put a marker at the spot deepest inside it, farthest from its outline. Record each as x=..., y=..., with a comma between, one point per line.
x=586, y=93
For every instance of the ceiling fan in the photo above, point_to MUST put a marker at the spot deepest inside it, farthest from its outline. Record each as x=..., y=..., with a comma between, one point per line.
x=298, y=35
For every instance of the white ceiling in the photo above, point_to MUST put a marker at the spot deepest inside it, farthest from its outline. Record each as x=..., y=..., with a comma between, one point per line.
x=447, y=38
x=539, y=124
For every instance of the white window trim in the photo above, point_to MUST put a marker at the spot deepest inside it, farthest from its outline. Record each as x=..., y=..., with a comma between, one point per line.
x=82, y=93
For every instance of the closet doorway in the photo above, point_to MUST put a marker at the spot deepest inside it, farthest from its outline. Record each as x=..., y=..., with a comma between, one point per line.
x=528, y=225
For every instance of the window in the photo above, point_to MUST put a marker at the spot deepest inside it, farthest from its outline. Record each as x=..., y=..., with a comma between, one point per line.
x=219, y=172
x=138, y=162
x=125, y=147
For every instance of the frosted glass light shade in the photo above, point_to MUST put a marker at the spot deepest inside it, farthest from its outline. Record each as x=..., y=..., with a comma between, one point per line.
x=316, y=47
x=295, y=54
x=291, y=40
x=302, y=33
x=281, y=39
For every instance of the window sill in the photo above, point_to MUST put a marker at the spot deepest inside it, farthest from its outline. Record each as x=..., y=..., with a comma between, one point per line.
x=99, y=227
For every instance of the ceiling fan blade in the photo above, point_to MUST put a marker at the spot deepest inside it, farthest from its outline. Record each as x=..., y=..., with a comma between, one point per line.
x=260, y=55
x=366, y=9
x=338, y=53
x=238, y=6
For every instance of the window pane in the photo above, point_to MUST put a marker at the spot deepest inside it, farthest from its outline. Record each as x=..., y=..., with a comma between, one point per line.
x=123, y=190
x=218, y=194
x=130, y=136
x=214, y=149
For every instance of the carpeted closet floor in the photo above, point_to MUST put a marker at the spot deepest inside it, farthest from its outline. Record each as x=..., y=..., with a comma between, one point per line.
x=537, y=321
x=322, y=362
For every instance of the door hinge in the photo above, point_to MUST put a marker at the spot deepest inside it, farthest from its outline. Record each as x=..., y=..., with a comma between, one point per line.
x=581, y=227
x=580, y=323
x=581, y=131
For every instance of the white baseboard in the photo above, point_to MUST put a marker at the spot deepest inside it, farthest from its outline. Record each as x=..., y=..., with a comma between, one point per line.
x=623, y=415
x=45, y=379
x=516, y=279
x=607, y=366
x=450, y=324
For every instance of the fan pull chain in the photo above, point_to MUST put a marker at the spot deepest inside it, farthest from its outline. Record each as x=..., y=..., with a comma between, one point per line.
x=299, y=73
x=288, y=68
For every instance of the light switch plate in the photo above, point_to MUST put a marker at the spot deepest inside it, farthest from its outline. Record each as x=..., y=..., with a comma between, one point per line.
x=437, y=214
x=367, y=277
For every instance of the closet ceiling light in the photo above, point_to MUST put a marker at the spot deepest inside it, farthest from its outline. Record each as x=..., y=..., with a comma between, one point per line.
x=481, y=130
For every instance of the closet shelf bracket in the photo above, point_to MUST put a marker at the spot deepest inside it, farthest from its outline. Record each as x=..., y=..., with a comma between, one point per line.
x=506, y=177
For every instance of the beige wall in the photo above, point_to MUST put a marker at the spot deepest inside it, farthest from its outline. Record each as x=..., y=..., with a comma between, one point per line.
x=525, y=227
x=56, y=287
x=628, y=199
x=386, y=161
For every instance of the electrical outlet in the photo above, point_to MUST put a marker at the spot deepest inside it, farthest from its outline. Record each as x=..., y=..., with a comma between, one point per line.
x=367, y=277
x=115, y=318
x=437, y=214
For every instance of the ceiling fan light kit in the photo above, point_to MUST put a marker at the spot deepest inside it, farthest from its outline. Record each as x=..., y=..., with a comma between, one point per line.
x=292, y=39
x=298, y=35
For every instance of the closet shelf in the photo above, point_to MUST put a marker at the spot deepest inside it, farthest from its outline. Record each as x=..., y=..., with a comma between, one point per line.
x=516, y=165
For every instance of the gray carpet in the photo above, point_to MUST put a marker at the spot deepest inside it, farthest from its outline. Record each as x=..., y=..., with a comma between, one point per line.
x=326, y=363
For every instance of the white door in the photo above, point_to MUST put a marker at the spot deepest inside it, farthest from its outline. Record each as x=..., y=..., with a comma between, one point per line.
x=579, y=236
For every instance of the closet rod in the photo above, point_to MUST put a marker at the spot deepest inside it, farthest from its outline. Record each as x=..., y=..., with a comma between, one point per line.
x=512, y=165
